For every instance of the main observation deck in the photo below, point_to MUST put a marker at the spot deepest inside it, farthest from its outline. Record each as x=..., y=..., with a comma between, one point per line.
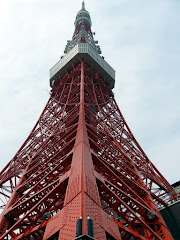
x=86, y=53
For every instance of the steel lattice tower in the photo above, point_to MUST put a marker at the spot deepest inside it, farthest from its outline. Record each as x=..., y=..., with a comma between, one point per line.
x=81, y=161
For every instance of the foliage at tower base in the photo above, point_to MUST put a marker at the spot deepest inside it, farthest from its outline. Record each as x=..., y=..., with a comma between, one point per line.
x=81, y=174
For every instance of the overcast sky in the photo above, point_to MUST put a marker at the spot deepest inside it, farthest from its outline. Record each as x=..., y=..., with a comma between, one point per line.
x=140, y=39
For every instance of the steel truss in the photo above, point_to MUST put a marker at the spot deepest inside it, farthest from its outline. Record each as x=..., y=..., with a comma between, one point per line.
x=81, y=159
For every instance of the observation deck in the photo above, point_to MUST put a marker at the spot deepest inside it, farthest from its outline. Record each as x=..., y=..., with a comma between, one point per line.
x=86, y=53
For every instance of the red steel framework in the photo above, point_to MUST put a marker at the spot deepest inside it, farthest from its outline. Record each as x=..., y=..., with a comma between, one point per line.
x=82, y=160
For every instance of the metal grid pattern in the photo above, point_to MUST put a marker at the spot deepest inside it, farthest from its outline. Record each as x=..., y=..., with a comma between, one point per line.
x=81, y=159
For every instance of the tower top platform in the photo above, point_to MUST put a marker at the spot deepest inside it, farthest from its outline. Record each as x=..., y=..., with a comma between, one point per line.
x=84, y=47
x=86, y=53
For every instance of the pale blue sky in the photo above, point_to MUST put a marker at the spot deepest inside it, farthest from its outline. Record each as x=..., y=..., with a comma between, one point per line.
x=139, y=39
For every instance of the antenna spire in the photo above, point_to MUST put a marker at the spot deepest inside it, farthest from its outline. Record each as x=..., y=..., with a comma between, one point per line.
x=83, y=5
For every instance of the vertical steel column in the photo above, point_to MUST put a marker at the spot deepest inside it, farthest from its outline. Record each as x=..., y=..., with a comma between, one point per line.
x=82, y=127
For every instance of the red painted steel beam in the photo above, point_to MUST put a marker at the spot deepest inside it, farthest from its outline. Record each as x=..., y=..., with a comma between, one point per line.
x=81, y=159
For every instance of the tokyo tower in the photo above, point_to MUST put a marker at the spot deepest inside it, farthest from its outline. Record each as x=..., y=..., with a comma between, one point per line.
x=81, y=174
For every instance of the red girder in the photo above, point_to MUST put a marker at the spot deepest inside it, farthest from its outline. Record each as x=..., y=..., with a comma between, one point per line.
x=81, y=159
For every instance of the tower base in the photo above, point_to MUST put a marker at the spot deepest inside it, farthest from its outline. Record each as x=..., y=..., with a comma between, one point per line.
x=84, y=237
